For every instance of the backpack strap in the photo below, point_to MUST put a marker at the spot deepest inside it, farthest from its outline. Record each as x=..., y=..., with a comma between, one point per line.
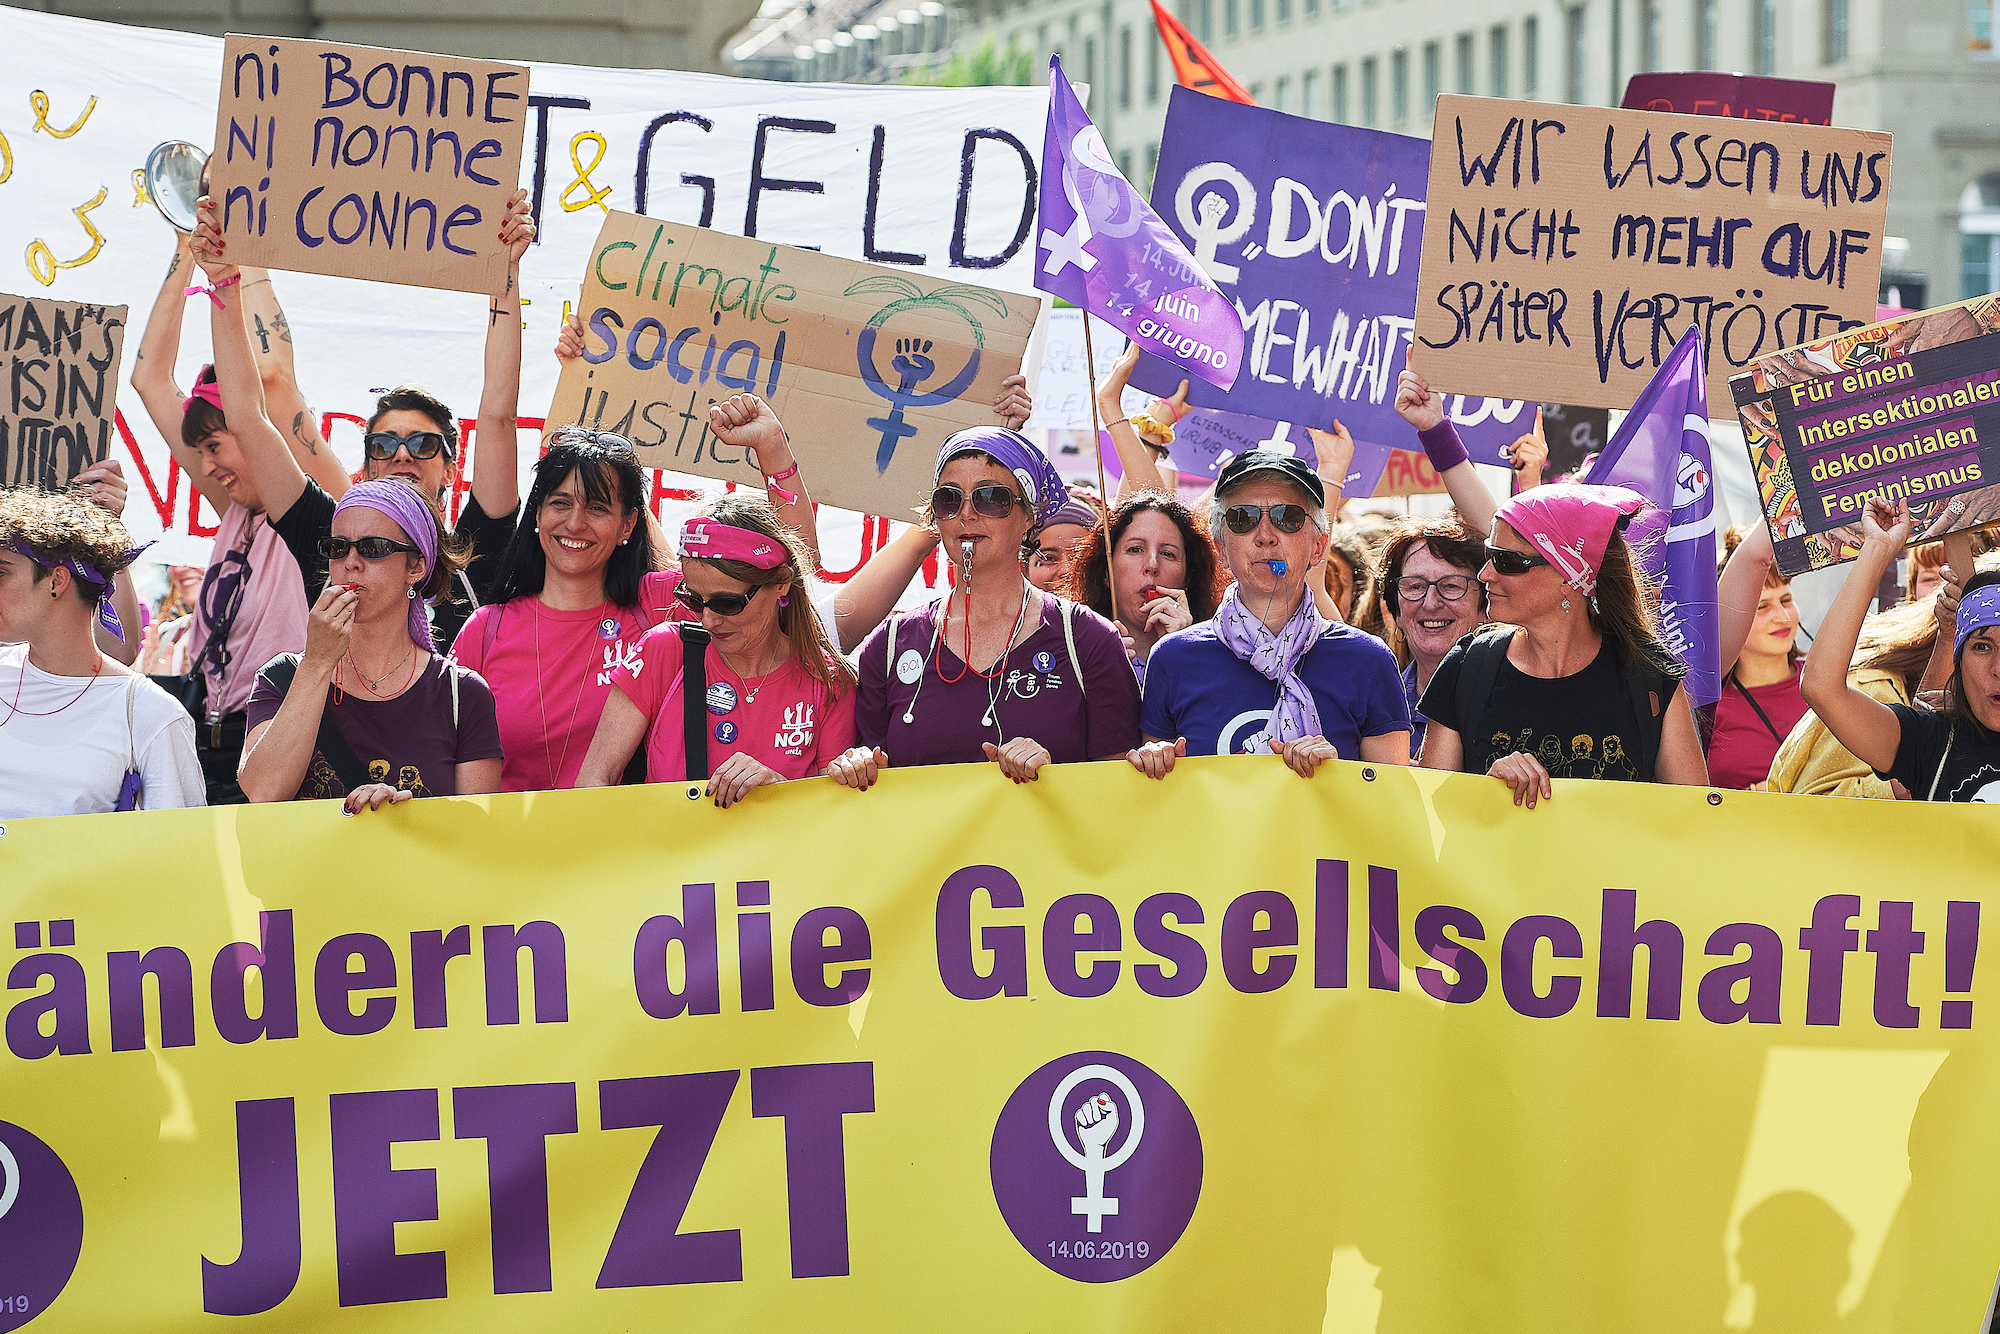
x=1069, y=640
x=130, y=790
x=694, y=700
x=1651, y=690
x=1484, y=652
x=451, y=670
x=490, y=632
x=333, y=747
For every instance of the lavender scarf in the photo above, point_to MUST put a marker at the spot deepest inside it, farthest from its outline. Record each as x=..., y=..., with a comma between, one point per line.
x=402, y=503
x=1275, y=656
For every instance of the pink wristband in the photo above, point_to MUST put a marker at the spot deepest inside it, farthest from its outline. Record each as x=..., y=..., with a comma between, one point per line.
x=771, y=480
x=210, y=292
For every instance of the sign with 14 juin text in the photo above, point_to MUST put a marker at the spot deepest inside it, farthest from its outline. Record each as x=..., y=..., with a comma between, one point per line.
x=1567, y=248
x=61, y=364
x=869, y=367
x=1908, y=410
x=365, y=163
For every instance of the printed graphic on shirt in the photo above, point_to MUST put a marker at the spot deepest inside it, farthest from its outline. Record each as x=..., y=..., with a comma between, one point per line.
x=1983, y=784
x=623, y=653
x=1027, y=685
x=721, y=697
x=795, y=730
x=909, y=666
x=1241, y=732
x=1579, y=756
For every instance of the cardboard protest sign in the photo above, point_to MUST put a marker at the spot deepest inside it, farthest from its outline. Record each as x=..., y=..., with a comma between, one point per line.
x=1313, y=230
x=62, y=388
x=870, y=367
x=1061, y=383
x=364, y=163
x=1905, y=410
x=1743, y=96
x=1409, y=474
x=1574, y=434
x=1567, y=248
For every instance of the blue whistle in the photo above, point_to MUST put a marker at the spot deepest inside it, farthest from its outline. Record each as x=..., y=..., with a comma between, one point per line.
x=1278, y=568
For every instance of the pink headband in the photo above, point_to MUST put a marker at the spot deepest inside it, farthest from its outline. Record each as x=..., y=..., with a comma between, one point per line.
x=705, y=539
x=1572, y=523
x=210, y=393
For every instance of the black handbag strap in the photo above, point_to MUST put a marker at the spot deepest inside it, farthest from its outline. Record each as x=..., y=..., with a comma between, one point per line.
x=332, y=745
x=1762, y=716
x=694, y=700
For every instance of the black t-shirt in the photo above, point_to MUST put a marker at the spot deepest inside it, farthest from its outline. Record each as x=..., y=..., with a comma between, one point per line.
x=1578, y=726
x=311, y=517
x=1971, y=769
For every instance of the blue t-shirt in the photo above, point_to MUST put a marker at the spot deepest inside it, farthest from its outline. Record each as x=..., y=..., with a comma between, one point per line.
x=1196, y=688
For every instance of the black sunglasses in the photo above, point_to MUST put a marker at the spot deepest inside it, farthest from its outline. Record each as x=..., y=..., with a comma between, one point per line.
x=1413, y=589
x=382, y=446
x=371, y=548
x=722, y=604
x=1506, y=560
x=1243, y=519
x=990, y=499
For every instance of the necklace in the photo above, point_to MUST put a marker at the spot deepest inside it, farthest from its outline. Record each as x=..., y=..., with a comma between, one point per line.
x=965, y=659
x=375, y=683
x=541, y=699
x=375, y=686
x=750, y=695
x=95, y=668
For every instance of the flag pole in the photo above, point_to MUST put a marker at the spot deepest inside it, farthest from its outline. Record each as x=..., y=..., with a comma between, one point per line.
x=1097, y=439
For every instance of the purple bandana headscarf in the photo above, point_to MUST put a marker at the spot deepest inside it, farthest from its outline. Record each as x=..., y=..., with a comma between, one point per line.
x=107, y=615
x=1976, y=611
x=1275, y=657
x=1040, y=482
x=401, y=502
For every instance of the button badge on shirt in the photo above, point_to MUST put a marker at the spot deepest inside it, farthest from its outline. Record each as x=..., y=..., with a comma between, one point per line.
x=909, y=666
x=1044, y=660
x=608, y=628
x=721, y=697
x=725, y=731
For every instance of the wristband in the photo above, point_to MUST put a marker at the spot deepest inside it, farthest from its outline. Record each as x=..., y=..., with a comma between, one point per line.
x=771, y=480
x=210, y=292
x=1442, y=446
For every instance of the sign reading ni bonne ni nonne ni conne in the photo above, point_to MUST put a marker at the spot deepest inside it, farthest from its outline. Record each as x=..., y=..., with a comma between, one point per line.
x=1567, y=248
x=62, y=387
x=365, y=163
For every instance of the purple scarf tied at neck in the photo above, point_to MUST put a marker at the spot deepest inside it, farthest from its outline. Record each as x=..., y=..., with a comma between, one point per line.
x=107, y=615
x=401, y=502
x=1277, y=657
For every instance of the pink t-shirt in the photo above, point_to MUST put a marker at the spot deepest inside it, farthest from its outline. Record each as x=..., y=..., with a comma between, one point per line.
x=253, y=585
x=782, y=720
x=551, y=672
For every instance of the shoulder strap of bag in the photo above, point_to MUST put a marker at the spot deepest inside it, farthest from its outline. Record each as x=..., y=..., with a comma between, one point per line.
x=451, y=669
x=333, y=747
x=490, y=632
x=1069, y=640
x=694, y=700
x=1476, y=678
x=1762, y=716
x=130, y=790
x=1938, y=777
x=1649, y=687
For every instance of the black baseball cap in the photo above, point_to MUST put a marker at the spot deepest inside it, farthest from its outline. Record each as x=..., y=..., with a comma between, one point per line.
x=1291, y=469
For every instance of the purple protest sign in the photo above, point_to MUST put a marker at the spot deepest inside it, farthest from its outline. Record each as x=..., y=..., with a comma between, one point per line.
x=1205, y=439
x=1102, y=249
x=1314, y=231
x=1741, y=96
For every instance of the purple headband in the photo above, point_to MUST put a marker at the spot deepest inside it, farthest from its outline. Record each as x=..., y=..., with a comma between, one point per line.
x=107, y=615
x=1039, y=480
x=1073, y=511
x=401, y=502
x=1976, y=611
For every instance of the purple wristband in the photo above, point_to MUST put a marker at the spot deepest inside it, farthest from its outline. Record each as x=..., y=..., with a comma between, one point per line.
x=1442, y=446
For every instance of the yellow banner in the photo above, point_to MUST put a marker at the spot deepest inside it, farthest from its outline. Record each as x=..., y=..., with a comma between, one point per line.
x=1237, y=1050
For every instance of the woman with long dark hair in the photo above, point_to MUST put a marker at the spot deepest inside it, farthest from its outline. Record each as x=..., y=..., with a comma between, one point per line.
x=1162, y=565
x=1572, y=681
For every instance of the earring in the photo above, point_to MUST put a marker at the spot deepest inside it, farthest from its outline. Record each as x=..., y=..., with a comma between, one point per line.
x=1565, y=602
x=538, y=528
x=785, y=601
x=1593, y=604
x=413, y=593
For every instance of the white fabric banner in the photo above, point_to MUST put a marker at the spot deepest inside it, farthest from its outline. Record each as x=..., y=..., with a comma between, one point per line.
x=937, y=179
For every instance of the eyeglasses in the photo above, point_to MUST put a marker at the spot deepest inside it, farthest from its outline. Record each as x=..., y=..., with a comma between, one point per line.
x=1243, y=519
x=1509, y=561
x=382, y=446
x=1410, y=588
x=722, y=604
x=989, y=499
x=371, y=548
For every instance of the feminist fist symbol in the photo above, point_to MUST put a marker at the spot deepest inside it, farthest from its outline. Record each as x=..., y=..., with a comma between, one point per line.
x=911, y=363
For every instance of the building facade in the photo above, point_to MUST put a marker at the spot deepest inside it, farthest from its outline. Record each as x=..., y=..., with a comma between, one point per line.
x=1923, y=70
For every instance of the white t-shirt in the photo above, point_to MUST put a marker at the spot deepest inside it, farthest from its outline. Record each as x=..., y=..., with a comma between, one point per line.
x=74, y=762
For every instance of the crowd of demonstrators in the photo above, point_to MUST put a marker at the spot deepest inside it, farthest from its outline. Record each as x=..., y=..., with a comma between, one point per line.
x=1434, y=598
x=1161, y=574
x=1894, y=652
x=1142, y=439
x=1059, y=540
x=1761, y=697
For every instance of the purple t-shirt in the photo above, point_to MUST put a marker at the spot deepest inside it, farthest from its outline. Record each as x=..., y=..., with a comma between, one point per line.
x=409, y=741
x=1034, y=695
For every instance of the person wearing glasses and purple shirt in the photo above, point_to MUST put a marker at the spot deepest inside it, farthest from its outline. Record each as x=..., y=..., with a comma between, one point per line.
x=1268, y=674
x=997, y=669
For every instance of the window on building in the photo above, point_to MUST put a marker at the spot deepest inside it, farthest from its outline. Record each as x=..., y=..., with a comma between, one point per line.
x=1207, y=20
x=1337, y=95
x=1531, y=57
x=1979, y=237
x=1764, y=37
x=1090, y=61
x=1309, y=94
x=1125, y=163
x=1152, y=71
x=1256, y=15
x=1368, y=76
x=1312, y=9
x=1833, y=32
x=1704, y=34
x=1125, y=66
x=1573, y=54
x=1399, y=85
x=1433, y=74
x=1284, y=8
x=1649, y=35
x=1462, y=83
x=1281, y=96
x=1229, y=18
x=1496, y=44
x=1152, y=164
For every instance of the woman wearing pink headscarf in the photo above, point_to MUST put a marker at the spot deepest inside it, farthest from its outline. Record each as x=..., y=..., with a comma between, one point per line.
x=1572, y=680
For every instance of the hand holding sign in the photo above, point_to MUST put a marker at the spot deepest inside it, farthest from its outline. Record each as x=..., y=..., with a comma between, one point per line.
x=1529, y=452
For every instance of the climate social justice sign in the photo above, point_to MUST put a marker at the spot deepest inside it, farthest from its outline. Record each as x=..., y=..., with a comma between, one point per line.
x=873, y=367
x=1908, y=410
x=367, y=163
x=1314, y=230
x=62, y=362
x=848, y=1060
x=1567, y=248
x=939, y=182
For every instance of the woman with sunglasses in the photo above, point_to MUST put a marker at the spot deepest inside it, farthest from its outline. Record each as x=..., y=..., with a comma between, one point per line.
x=1269, y=674
x=411, y=435
x=369, y=713
x=1573, y=682
x=1430, y=588
x=997, y=668
x=1162, y=567
x=778, y=697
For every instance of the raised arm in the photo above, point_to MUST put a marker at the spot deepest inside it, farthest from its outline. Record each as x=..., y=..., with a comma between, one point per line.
x=868, y=597
x=1864, y=725
x=1959, y=563
x=747, y=422
x=271, y=345
x=1423, y=407
x=1738, y=590
x=1335, y=451
x=1142, y=472
x=153, y=370
x=103, y=485
x=496, y=464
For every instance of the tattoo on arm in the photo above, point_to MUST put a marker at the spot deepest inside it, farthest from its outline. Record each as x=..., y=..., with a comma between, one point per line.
x=304, y=433
x=263, y=334
x=281, y=326
x=174, y=264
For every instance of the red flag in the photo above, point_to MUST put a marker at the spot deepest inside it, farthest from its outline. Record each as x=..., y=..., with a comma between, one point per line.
x=1194, y=67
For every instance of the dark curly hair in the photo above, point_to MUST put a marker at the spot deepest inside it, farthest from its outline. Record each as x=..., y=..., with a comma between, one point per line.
x=1087, y=578
x=60, y=524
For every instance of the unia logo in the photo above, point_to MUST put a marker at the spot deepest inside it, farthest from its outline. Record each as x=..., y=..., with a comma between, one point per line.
x=41, y=1226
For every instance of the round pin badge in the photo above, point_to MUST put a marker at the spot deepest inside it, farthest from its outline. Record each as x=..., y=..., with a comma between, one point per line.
x=1044, y=660
x=909, y=666
x=725, y=731
x=608, y=628
x=721, y=697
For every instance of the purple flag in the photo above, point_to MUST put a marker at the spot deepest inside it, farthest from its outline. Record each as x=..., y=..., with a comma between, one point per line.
x=1104, y=250
x=1661, y=451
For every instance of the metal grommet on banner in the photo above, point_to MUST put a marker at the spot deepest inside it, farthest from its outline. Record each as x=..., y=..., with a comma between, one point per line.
x=1368, y=775
x=1715, y=798
x=3, y=831
x=694, y=792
